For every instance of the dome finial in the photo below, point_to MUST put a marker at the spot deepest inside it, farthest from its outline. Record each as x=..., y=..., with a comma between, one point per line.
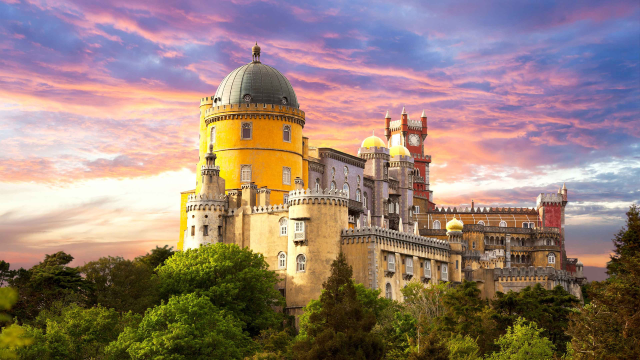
x=255, y=50
x=404, y=112
x=387, y=116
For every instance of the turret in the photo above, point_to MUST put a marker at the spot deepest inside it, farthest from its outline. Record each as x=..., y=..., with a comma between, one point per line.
x=454, y=235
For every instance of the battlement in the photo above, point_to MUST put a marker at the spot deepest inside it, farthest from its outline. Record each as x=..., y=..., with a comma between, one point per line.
x=313, y=196
x=374, y=152
x=270, y=209
x=549, y=199
x=253, y=110
x=206, y=101
x=375, y=232
x=527, y=273
x=491, y=210
x=205, y=197
x=421, y=158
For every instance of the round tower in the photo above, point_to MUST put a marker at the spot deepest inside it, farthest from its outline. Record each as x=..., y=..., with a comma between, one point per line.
x=401, y=169
x=454, y=235
x=206, y=208
x=254, y=124
x=376, y=153
x=316, y=220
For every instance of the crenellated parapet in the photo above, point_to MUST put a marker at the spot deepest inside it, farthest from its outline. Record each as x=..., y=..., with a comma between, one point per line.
x=204, y=202
x=382, y=234
x=553, y=199
x=254, y=111
x=531, y=274
x=491, y=210
x=313, y=196
x=270, y=209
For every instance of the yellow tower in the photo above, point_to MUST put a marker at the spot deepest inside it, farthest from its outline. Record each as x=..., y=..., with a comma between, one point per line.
x=254, y=124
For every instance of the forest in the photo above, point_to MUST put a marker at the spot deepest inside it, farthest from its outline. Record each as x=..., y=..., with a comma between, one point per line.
x=221, y=302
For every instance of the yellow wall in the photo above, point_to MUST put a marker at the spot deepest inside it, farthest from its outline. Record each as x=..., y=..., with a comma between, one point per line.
x=183, y=216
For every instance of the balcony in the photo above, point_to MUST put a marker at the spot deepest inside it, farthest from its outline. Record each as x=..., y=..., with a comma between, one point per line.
x=355, y=206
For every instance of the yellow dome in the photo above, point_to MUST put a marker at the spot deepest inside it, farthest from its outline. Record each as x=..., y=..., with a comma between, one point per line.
x=372, y=141
x=454, y=225
x=399, y=150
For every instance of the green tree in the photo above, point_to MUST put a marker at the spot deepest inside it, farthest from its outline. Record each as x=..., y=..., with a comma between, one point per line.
x=610, y=325
x=157, y=256
x=463, y=348
x=46, y=283
x=121, y=284
x=523, y=341
x=12, y=337
x=550, y=309
x=341, y=329
x=234, y=279
x=6, y=273
x=187, y=327
x=76, y=333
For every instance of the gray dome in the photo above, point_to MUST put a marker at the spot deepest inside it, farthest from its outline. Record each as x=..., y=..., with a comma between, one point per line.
x=262, y=83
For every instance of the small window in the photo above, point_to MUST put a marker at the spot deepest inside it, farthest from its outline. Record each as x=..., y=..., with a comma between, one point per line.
x=445, y=274
x=391, y=207
x=193, y=231
x=391, y=262
x=417, y=210
x=246, y=131
x=364, y=200
x=205, y=230
x=346, y=171
x=299, y=226
x=285, y=198
x=552, y=258
x=286, y=175
x=345, y=189
x=284, y=224
x=427, y=268
x=358, y=179
x=457, y=265
x=245, y=173
x=358, y=195
x=301, y=263
x=213, y=135
x=532, y=225
x=333, y=172
x=318, y=185
x=409, y=266
x=387, y=292
x=282, y=260
x=333, y=185
x=503, y=223
x=436, y=224
x=473, y=245
x=525, y=225
x=286, y=133
x=417, y=172
x=219, y=230
x=481, y=222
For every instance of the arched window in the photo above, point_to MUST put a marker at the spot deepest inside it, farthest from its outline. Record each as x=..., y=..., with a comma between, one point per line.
x=282, y=260
x=503, y=223
x=481, y=222
x=301, y=263
x=333, y=185
x=346, y=171
x=397, y=208
x=436, y=224
x=388, y=292
x=318, y=185
x=286, y=175
x=333, y=172
x=391, y=207
x=552, y=258
x=358, y=195
x=245, y=173
x=213, y=135
x=445, y=272
x=286, y=133
x=345, y=188
x=364, y=200
x=246, y=131
x=391, y=262
x=284, y=225
x=409, y=266
x=417, y=172
x=427, y=268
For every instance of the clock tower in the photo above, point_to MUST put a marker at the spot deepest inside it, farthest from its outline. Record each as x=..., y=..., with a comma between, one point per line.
x=412, y=135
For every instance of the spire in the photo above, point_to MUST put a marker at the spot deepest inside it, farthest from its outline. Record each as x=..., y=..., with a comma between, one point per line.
x=423, y=114
x=404, y=112
x=387, y=116
x=564, y=186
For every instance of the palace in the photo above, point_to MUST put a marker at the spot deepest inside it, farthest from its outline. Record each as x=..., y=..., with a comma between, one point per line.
x=260, y=185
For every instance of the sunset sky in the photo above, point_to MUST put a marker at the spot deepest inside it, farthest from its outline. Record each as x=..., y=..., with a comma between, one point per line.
x=99, y=106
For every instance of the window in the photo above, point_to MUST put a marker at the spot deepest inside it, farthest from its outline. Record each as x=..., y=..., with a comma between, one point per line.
x=397, y=208
x=391, y=262
x=213, y=135
x=284, y=225
x=481, y=222
x=417, y=172
x=282, y=260
x=285, y=198
x=358, y=195
x=427, y=268
x=473, y=245
x=318, y=185
x=346, y=171
x=299, y=226
x=456, y=264
x=345, y=189
x=409, y=266
x=245, y=173
x=436, y=224
x=445, y=275
x=333, y=185
x=286, y=133
x=205, y=230
x=286, y=175
x=525, y=225
x=333, y=172
x=503, y=223
x=364, y=200
x=246, y=131
x=358, y=179
x=193, y=231
x=417, y=210
x=552, y=258
x=391, y=208
x=387, y=291
x=531, y=225
x=301, y=263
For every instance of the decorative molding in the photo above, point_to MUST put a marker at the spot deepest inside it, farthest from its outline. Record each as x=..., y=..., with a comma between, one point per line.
x=342, y=157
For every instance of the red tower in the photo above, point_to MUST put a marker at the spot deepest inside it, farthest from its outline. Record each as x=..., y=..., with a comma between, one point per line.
x=412, y=134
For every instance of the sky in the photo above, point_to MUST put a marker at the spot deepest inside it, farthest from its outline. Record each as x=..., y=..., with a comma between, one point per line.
x=99, y=106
